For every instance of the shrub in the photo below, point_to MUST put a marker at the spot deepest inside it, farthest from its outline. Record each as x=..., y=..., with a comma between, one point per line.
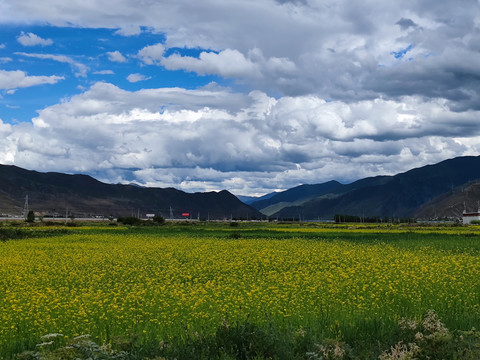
x=157, y=219
x=235, y=235
x=30, y=217
x=430, y=339
x=54, y=347
x=129, y=220
x=331, y=349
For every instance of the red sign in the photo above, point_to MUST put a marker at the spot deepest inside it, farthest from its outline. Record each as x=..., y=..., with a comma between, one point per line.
x=185, y=214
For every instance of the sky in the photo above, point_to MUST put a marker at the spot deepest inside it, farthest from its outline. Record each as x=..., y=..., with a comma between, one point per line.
x=251, y=96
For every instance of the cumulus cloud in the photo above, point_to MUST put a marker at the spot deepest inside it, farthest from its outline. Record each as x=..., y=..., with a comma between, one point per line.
x=7, y=143
x=129, y=30
x=19, y=79
x=205, y=139
x=116, y=56
x=338, y=49
x=133, y=78
x=227, y=63
x=336, y=89
x=152, y=54
x=406, y=23
x=79, y=68
x=30, y=39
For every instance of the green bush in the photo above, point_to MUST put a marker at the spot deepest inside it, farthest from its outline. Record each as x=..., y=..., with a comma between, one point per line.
x=157, y=219
x=129, y=220
x=30, y=217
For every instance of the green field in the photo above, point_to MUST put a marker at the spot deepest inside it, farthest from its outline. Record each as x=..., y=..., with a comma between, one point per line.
x=241, y=290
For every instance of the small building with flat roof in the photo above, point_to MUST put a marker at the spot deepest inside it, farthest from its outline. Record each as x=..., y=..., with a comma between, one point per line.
x=468, y=217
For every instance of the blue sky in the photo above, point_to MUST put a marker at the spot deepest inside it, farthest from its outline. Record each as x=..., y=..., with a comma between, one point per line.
x=92, y=55
x=251, y=96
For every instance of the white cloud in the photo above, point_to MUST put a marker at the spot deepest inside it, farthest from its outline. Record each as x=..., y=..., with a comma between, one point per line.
x=116, y=56
x=129, y=30
x=2, y=46
x=104, y=72
x=30, y=39
x=80, y=69
x=133, y=78
x=5, y=60
x=7, y=143
x=152, y=54
x=331, y=49
x=361, y=88
x=10, y=80
x=203, y=139
x=228, y=63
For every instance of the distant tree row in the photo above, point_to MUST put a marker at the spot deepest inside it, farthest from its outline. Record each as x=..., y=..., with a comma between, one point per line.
x=131, y=220
x=342, y=218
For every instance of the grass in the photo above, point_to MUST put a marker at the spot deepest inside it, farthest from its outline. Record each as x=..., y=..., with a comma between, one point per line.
x=218, y=290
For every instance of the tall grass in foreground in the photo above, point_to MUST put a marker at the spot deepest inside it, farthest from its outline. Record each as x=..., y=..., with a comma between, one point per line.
x=186, y=290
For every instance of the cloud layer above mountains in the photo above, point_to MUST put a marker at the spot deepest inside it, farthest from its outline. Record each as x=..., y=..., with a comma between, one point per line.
x=306, y=91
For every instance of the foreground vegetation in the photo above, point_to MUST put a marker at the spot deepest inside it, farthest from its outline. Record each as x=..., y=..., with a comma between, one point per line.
x=193, y=291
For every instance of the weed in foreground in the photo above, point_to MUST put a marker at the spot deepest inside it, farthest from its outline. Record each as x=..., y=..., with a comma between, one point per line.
x=426, y=339
x=430, y=339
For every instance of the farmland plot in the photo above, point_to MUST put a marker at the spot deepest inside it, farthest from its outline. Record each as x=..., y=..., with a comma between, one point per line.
x=162, y=285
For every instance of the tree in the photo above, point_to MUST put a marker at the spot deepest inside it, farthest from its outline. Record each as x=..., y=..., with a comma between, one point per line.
x=129, y=220
x=158, y=219
x=31, y=216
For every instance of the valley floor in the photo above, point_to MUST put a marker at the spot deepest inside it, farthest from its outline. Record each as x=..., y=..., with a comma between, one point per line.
x=240, y=290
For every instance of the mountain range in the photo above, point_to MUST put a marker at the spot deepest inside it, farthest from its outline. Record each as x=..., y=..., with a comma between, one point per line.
x=440, y=190
x=57, y=194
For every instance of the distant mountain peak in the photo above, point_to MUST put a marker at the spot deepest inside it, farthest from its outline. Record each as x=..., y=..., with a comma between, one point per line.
x=51, y=193
x=401, y=195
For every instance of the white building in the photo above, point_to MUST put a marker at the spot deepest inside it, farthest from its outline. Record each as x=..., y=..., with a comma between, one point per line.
x=468, y=217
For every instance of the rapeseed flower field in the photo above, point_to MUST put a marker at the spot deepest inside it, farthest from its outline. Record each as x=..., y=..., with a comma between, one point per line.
x=160, y=284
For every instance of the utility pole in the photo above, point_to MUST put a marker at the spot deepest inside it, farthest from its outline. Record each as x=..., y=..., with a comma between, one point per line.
x=25, y=207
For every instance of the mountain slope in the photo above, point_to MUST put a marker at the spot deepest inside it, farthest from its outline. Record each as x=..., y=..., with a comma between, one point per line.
x=82, y=195
x=251, y=199
x=452, y=203
x=393, y=196
x=297, y=194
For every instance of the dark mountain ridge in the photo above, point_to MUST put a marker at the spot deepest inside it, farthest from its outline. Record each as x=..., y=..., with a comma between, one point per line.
x=298, y=193
x=452, y=203
x=250, y=199
x=55, y=193
x=402, y=195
